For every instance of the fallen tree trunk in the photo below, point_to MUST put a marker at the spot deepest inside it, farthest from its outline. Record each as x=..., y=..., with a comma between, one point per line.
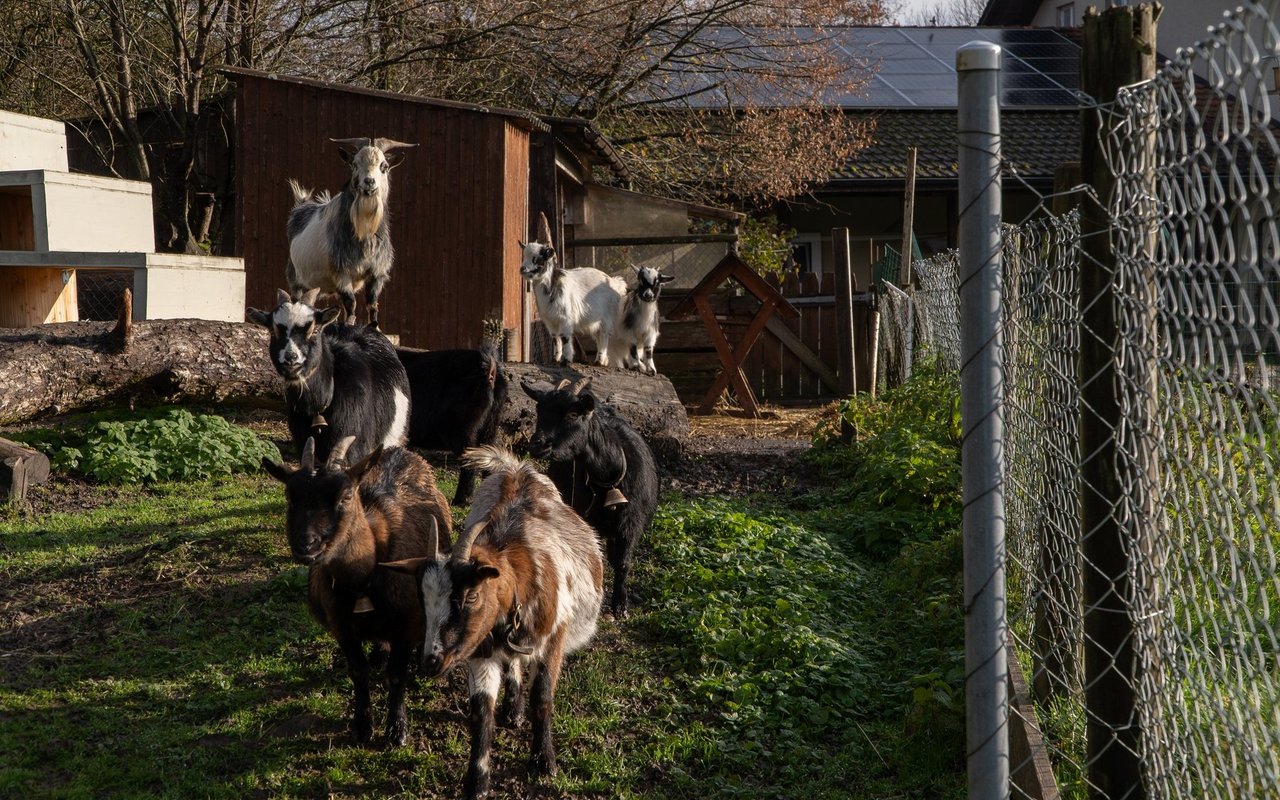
x=78, y=366
x=81, y=366
x=649, y=403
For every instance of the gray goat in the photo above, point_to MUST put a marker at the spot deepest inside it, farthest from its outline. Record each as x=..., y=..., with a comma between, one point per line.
x=342, y=243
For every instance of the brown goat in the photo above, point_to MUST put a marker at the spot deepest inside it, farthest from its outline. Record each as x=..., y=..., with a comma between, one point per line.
x=522, y=587
x=341, y=521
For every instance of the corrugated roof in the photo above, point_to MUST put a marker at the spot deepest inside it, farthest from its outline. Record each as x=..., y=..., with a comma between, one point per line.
x=1035, y=143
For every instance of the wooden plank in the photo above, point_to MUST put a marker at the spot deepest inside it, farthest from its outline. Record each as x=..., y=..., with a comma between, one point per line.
x=20, y=468
x=804, y=353
x=1030, y=769
x=35, y=296
x=732, y=358
x=17, y=231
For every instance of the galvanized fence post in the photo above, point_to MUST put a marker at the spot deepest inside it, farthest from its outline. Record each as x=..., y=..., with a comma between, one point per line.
x=982, y=390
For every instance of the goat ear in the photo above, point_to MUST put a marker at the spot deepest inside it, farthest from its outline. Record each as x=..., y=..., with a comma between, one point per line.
x=395, y=160
x=276, y=470
x=635, y=269
x=587, y=402
x=486, y=571
x=258, y=317
x=356, y=471
x=532, y=392
x=665, y=278
x=344, y=155
x=310, y=297
x=407, y=566
x=282, y=297
x=521, y=245
x=328, y=315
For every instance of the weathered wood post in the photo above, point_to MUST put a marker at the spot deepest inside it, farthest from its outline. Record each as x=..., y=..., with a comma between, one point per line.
x=908, y=277
x=1118, y=50
x=844, y=320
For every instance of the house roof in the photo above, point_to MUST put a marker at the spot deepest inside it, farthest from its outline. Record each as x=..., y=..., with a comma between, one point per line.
x=1035, y=143
x=896, y=67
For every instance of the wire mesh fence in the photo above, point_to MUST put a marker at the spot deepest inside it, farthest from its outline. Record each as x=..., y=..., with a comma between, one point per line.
x=98, y=292
x=1140, y=445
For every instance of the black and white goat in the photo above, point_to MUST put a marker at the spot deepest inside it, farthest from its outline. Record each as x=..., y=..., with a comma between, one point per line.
x=342, y=521
x=603, y=468
x=342, y=243
x=582, y=300
x=521, y=588
x=457, y=399
x=636, y=332
x=339, y=380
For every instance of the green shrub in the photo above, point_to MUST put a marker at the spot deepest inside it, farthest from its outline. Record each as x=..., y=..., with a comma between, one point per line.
x=174, y=445
x=899, y=479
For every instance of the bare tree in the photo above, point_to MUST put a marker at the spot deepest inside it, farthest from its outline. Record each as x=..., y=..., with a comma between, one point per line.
x=710, y=99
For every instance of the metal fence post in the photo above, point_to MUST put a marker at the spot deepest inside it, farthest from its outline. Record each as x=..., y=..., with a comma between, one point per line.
x=982, y=389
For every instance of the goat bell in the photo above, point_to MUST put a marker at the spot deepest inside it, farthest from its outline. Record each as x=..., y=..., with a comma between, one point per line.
x=614, y=498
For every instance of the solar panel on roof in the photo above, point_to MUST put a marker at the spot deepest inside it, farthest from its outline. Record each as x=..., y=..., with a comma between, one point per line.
x=914, y=67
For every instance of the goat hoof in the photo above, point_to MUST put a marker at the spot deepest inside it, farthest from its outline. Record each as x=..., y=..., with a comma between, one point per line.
x=511, y=720
x=398, y=733
x=543, y=764
x=362, y=729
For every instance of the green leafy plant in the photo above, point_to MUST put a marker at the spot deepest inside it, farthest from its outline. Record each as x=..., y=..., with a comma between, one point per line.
x=174, y=445
x=765, y=245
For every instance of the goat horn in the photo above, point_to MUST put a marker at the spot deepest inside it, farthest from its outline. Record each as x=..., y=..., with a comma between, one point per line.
x=563, y=383
x=544, y=228
x=433, y=538
x=580, y=385
x=387, y=145
x=358, y=143
x=462, y=548
x=338, y=455
x=309, y=455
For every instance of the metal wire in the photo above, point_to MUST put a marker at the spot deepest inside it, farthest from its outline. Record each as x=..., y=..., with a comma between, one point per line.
x=1194, y=354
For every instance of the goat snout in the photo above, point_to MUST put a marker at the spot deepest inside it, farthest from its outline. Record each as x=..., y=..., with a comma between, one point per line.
x=369, y=185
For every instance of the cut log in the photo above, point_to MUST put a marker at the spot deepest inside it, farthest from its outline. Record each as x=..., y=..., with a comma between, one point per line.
x=80, y=366
x=20, y=467
x=649, y=403
x=75, y=366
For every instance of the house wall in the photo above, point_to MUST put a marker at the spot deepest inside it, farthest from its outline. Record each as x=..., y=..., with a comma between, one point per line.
x=458, y=201
x=874, y=220
x=1182, y=22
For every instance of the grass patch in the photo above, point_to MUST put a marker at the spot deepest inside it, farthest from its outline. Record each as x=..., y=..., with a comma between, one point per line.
x=158, y=646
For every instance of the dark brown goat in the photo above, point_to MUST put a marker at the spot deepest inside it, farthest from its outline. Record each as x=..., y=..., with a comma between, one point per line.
x=341, y=521
x=522, y=587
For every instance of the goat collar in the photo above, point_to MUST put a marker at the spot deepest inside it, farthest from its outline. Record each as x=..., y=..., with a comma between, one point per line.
x=513, y=636
x=613, y=497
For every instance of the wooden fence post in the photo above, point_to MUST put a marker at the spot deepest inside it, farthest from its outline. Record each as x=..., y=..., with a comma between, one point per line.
x=844, y=319
x=1118, y=50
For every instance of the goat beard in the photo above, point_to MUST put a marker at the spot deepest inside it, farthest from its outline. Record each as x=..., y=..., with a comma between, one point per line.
x=366, y=214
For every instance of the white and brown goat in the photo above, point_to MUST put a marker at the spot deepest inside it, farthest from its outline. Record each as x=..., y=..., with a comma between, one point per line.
x=342, y=243
x=521, y=588
x=342, y=521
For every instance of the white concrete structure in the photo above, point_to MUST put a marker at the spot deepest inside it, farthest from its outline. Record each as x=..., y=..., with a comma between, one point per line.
x=55, y=223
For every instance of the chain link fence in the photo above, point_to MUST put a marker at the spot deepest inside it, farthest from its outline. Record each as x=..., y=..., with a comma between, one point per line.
x=98, y=292
x=1140, y=442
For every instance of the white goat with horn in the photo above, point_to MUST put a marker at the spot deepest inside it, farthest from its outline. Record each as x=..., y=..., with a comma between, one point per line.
x=342, y=243
x=583, y=300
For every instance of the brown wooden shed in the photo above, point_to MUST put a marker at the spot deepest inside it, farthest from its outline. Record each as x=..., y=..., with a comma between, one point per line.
x=459, y=201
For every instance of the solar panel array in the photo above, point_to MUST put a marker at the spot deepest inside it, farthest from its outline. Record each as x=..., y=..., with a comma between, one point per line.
x=915, y=67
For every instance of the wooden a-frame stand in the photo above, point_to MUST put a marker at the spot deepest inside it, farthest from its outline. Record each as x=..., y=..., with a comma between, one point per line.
x=732, y=356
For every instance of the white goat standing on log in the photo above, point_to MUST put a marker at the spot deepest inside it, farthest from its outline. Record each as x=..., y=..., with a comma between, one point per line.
x=342, y=243
x=583, y=300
